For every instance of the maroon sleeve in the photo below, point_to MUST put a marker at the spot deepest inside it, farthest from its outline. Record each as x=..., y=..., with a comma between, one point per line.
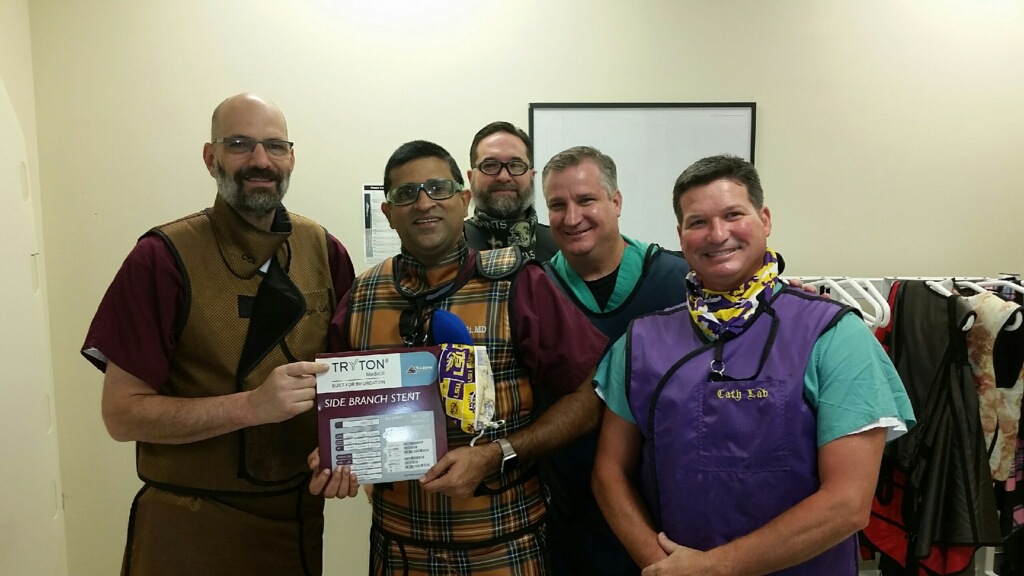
x=556, y=342
x=342, y=272
x=134, y=326
x=337, y=333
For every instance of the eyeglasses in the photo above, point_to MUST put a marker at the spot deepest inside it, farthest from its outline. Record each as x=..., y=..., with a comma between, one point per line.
x=436, y=189
x=244, y=145
x=493, y=167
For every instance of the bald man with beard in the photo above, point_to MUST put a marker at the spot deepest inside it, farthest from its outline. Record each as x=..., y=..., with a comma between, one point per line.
x=206, y=337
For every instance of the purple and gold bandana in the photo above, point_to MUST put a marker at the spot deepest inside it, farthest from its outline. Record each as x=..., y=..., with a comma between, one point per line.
x=716, y=313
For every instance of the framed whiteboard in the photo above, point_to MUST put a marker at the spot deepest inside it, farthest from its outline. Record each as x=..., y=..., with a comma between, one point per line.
x=651, y=145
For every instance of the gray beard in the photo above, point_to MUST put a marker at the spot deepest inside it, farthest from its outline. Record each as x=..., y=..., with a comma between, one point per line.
x=256, y=203
x=505, y=208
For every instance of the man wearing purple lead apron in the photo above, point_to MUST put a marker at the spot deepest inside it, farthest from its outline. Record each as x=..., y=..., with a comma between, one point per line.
x=744, y=428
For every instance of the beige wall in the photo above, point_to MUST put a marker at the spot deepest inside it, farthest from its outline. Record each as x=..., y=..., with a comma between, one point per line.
x=32, y=536
x=889, y=138
x=16, y=66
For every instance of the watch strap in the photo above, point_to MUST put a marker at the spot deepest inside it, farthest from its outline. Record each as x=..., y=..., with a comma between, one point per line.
x=508, y=454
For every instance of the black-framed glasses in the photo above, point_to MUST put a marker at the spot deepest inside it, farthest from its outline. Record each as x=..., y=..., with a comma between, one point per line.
x=245, y=145
x=436, y=189
x=493, y=167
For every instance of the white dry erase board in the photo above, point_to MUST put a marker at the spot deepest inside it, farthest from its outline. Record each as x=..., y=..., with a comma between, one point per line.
x=651, y=145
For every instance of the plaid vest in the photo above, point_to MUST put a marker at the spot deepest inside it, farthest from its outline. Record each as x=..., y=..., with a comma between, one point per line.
x=507, y=505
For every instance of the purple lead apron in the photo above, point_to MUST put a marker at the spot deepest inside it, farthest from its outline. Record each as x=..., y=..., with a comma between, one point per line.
x=729, y=441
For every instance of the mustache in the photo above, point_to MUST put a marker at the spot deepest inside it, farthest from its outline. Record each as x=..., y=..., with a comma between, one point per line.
x=262, y=173
x=503, y=186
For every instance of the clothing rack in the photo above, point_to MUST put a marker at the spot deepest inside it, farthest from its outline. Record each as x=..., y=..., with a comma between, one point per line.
x=870, y=297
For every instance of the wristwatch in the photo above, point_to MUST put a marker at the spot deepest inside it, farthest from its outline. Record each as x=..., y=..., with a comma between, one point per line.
x=509, y=458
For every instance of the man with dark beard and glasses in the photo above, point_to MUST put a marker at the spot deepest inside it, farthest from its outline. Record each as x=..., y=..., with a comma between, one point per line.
x=501, y=179
x=206, y=337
